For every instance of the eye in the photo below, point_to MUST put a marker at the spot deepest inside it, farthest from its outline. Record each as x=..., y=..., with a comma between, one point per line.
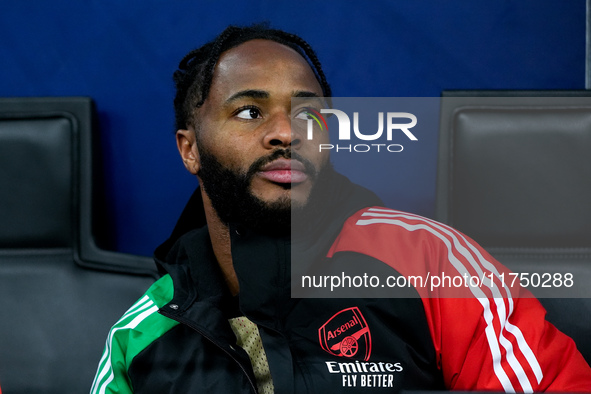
x=303, y=115
x=248, y=113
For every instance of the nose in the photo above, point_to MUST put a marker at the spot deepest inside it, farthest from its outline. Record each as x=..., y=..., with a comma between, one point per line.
x=279, y=133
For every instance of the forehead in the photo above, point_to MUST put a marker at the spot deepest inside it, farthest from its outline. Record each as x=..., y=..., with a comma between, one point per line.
x=263, y=65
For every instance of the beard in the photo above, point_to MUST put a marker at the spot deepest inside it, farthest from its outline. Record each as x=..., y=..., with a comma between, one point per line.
x=231, y=196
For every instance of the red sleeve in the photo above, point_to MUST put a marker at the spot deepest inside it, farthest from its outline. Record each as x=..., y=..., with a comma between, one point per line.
x=487, y=337
x=489, y=344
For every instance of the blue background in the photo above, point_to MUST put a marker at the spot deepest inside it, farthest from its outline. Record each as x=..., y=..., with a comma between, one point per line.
x=123, y=53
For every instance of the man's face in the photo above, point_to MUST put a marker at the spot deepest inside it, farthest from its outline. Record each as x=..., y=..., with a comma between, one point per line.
x=244, y=138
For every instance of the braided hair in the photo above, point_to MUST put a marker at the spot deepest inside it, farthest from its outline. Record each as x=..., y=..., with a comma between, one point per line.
x=195, y=73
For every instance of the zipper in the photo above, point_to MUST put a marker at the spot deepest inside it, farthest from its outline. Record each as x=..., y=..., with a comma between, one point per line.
x=209, y=338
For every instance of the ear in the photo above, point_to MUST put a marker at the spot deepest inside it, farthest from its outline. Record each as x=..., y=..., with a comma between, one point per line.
x=187, y=146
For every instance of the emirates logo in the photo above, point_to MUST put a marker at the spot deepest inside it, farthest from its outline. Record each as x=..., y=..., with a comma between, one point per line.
x=346, y=334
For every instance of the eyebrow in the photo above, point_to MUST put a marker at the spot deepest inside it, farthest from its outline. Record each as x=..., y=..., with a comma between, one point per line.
x=262, y=94
x=304, y=93
x=249, y=93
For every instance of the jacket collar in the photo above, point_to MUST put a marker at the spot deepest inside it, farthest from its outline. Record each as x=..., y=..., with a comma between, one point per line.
x=262, y=262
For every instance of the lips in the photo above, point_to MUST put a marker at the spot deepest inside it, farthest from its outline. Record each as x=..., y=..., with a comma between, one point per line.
x=284, y=171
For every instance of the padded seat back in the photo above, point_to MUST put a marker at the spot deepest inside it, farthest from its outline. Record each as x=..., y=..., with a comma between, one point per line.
x=59, y=293
x=515, y=175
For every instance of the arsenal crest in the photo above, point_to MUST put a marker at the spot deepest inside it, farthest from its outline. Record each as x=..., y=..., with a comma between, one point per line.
x=346, y=334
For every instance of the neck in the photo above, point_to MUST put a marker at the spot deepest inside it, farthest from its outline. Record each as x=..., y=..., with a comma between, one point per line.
x=219, y=234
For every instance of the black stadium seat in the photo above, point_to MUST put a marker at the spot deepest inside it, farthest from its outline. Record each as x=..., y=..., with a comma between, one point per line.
x=515, y=175
x=59, y=292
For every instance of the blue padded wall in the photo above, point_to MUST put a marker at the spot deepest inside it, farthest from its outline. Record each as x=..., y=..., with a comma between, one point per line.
x=123, y=54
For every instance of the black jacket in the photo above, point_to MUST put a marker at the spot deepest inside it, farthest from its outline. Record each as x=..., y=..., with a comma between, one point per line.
x=177, y=338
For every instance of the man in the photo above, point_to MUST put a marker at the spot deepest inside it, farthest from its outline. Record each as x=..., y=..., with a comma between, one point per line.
x=226, y=268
